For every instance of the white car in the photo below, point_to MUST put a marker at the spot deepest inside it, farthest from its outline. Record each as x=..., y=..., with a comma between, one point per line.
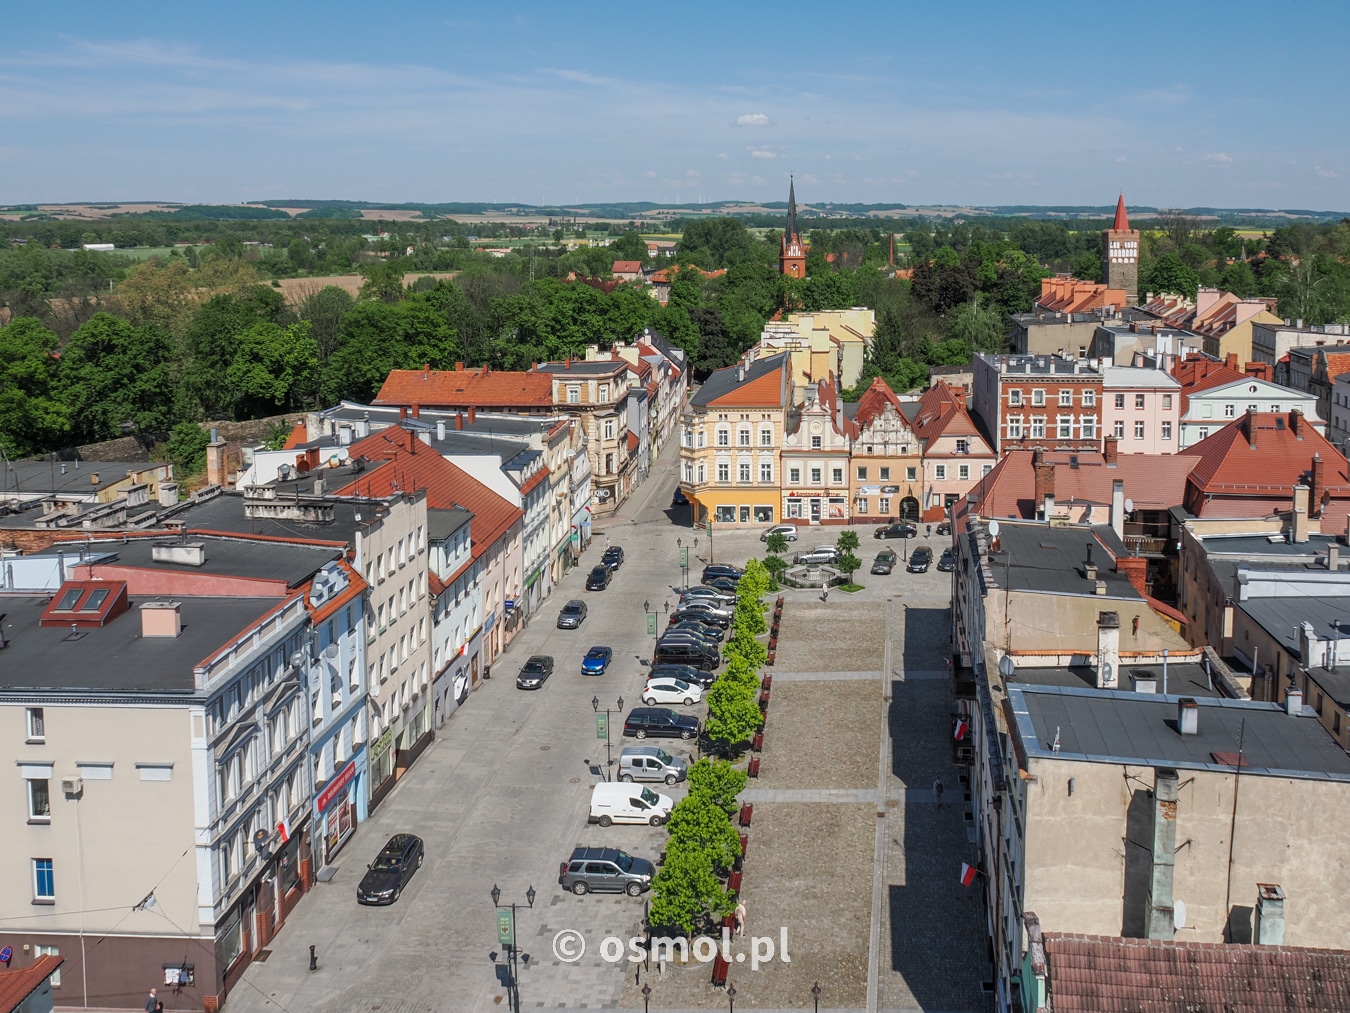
x=659, y=691
x=788, y=531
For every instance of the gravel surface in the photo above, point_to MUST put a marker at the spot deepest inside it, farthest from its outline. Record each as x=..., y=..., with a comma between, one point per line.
x=821, y=735
x=838, y=636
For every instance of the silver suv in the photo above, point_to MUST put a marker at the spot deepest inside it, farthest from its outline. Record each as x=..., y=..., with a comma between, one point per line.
x=606, y=870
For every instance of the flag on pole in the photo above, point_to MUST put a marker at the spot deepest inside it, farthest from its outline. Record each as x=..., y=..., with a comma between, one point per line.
x=284, y=830
x=968, y=874
x=962, y=729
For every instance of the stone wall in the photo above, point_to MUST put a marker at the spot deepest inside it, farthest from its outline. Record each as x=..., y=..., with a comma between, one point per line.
x=130, y=448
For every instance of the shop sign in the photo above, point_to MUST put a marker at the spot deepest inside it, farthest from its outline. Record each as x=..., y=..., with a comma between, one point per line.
x=334, y=787
x=890, y=490
x=382, y=743
x=869, y=490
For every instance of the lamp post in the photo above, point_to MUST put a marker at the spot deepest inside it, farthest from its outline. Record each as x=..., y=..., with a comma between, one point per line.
x=609, y=757
x=646, y=997
x=506, y=936
x=815, y=994
x=684, y=564
x=731, y=996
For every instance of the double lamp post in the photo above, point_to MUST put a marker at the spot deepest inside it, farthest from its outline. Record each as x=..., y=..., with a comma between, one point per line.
x=506, y=937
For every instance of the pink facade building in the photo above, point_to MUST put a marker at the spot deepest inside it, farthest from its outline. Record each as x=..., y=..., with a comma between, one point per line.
x=1141, y=408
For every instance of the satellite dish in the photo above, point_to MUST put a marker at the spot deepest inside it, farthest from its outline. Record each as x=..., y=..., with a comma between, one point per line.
x=1006, y=667
x=1129, y=505
x=1179, y=914
x=331, y=651
x=993, y=529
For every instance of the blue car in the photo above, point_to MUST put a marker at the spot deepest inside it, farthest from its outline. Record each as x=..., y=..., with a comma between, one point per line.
x=596, y=661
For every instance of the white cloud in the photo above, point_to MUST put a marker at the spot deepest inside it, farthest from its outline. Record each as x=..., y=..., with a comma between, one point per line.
x=762, y=153
x=1219, y=160
x=1326, y=173
x=752, y=120
x=723, y=156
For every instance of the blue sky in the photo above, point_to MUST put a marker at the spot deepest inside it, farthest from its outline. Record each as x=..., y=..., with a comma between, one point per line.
x=1229, y=104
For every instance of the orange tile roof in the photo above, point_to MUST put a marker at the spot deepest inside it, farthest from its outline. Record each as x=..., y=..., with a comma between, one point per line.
x=1066, y=294
x=1197, y=374
x=1154, y=482
x=1122, y=222
x=533, y=481
x=461, y=388
x=765, y=385
x=633, y=441
x=402, y=463
x=627, y=267
x=299, y=435
x=17, y=984
x=356, y=586
x=874, y=401
x=942, y=412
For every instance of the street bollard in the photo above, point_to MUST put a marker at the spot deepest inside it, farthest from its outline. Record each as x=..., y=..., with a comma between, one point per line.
x=313, y=960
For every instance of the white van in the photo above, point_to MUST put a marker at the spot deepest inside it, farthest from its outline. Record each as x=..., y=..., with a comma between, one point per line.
x=618, y=802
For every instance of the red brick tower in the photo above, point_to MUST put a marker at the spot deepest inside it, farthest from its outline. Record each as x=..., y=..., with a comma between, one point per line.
x=1120, y=255
x=792, y=256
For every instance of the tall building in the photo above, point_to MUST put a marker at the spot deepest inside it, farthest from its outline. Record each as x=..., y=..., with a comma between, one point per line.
x=792, y=256
x=1120, y=255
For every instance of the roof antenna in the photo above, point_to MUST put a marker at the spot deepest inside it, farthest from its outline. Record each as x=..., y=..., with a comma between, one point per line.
x=1054, y=746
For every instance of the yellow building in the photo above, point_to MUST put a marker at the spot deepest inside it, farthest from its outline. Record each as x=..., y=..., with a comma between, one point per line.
x=886, y=469
x=731, y=439
x=824, y=344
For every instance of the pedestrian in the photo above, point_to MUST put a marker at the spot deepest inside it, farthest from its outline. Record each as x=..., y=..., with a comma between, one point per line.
x=152, y=1003
x=937, y=791
x=740, y=917
x=930, y=531
x=825, y=592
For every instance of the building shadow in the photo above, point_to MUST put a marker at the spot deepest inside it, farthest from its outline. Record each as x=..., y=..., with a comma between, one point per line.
x=1138, y=863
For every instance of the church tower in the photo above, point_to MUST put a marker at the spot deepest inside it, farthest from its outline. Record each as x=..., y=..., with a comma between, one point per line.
x=1120, y=255
x=792, y=256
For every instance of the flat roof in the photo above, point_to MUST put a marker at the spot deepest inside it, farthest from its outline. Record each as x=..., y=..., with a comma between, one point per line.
x=591, y=366
x=232, y=557
x=1280, y=617
x=1042, y=557
x=116, y=658
x=45, y=476
x=1183, y=679
x=1119, y=726
x=501, y=423
x=444, y=523
x=226, y=513
x=1138, y=376
x=1263, y=545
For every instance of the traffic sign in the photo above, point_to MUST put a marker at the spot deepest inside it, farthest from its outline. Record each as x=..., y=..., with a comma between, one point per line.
x=602, y=726
x=506, y=931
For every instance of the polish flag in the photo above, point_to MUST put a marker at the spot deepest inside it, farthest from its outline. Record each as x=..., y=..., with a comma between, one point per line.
x=962, y=728
x=967, y=874
x=284, y=831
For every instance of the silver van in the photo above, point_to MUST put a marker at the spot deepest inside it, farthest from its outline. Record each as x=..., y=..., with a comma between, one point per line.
x=651, y=763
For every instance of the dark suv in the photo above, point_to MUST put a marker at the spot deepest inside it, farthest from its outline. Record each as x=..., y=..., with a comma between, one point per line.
x=686, y=652
x=605, y=870
x=688, y=673
x=903, y=529
x=714, y=570
x=573, y=614
x=657, y=721
x=386, y=877
x=920, y=560
x=613, y=557
x=598, y=578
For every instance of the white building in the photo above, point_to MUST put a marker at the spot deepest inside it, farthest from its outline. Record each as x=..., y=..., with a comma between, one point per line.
x=1210, y=410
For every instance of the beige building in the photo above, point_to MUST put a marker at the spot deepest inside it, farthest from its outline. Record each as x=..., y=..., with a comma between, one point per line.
x=596, y=393
x=822, y=344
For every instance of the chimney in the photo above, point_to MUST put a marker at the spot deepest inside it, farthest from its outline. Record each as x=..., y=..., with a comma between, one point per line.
x=459, y=420
x=1188, y=716
x=440, y=429
x=1269, y=915
x=1111, y=450
x=459, y=367
x=1230, y=360
x=1045, y=482
x=1250, y=423
x=402, y=412
x=416, y=411
x=1293, y=702
x=473, y=413
x=161, y=619
x=1160, y=923
x=1318, y=483
x=1118, y=508
x=1296, y=423
x=1333, y=557
x=740, y=373
x=568, y=363
x=318, y=485
x=215, y=459
x=168, y=494
x=1307, y=636
x=1298, y=521
x=1108, y=650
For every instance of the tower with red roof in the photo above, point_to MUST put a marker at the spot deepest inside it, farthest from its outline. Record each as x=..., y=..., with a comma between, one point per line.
x=1120, y=255
x=792, y=256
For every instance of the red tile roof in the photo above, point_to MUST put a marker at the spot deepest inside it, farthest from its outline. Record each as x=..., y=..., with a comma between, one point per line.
x=409, y=466
x=1199, y=373
x=1065, y=294
x=874, y=401
x=627, y=267
x=299, y=435
x=461, y=388
x=942, y=412
x=1122, y=222
x=18, y=984
x=1154, y=482
x=533, y=481
x=1089, y=974
x=633, y=441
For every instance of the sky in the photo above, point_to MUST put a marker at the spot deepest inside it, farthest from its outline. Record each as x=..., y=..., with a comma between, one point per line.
x=1179, y=104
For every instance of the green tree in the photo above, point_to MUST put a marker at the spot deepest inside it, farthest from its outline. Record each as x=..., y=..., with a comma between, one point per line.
x=776, y=543
x=323, y=311
x=1169, y=274
x=981, y=328
x=719, y=781
x=733, y=713
x=1239, y=279
x=1087, y=266
x=847, y=541
x=849, y=563
x=115, y=375
x=186, y=448
x=33, y=419
x=686, y=893
x=384, y=280
x=274, y=368
x=629, y=246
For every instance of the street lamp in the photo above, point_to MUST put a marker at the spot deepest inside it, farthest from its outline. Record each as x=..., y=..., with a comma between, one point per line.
x=684, y=562
x=815, y=994
x=506, y=936
x=731, y=996
x=609, y=757
x=646, y=997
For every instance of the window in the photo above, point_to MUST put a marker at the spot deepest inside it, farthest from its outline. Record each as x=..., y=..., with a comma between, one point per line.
x=39, y=799
x=1274, y=407
x=940, y=472
x=723, y=437
x=911, y=474
x=816, y=476
x=1167, y=400
x=986, y=469
x=44, y=881
x=1139, y=430
x=723, y=471
x=1015, y=396
x=1064, y=425
x=1204, y=431
x=745, y=515
x=963, y=446
x=44, y=950
x=609, y=429
x=1089, y=399
x=795, y=475
x=1015, y=427
x=1252, y=408
x=1120, y=400
x=37, y=725
x=700, y=441
x=573, y=395
x=702, y=473
x=604, y=392
x=763, y=515
x=766, y=471
x=1167, y=430
x=862, y=474
x=1087, y=427
x=688, y=472
x=884, y=506
x=963, y=471
x=1065, y=398
x=1038, y=397
x=743, y=438
x=837, y=476
x=726, y=515
x=1037, y=427
x=1139, y=402
x=744, y=471
x=815, y=443
x=1120, y=429
x=1229, y=410
x=766, y=437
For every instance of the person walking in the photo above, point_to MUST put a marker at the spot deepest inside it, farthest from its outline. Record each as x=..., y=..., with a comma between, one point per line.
x=824, y=590
x=937, y=791
x=740, y=917
x=152, y=1003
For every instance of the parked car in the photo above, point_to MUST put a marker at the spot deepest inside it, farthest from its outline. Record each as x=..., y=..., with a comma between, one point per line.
x=686, y=672
x=605, y=870
x=946, y=562
x=901, y=529
x=686, y=653
x=651, y=763
x=670, y=691
x=615, y=802
x=689, y=637
x=714, y=570
x=920, y=560
x=885, y=561
x=660, y=721
x=815, y=557
x=679, y=499
x=708, y=630
x=788, y=531
x=724, y=584
x=597, y=661
x=701, y=592
x=613, y=557
x=386, y=877
x=599, y=577
x=704, y=613
x=943, y=528
x=573, y=614
x=535, y=672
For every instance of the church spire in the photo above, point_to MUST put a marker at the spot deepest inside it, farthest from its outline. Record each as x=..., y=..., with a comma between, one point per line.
x=1122, y=223
x=791, y=229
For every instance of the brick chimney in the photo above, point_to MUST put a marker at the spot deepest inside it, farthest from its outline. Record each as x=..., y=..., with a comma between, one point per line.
x=1318, y=485
x=1251, y=428
x=215, y=460
x=473, y=413
x=1110, y=450
x=1045, y=478
x=1231, y=360
x=402, y=412
x=1296, y=423
x=459, y=420
x=416, y=411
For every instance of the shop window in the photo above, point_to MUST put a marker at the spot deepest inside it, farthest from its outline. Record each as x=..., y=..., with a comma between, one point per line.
x=763, y=515
x=725, y=515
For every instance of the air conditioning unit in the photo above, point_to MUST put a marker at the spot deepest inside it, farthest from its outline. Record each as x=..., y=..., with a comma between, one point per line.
x=72, y=785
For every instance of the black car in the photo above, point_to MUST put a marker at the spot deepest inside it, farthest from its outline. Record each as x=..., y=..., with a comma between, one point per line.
x=943, y=528
x=657, y=721
x=898, y=530
x=598, y=578
x=885, y=561
x=688, y=673
x=920, y=559
x=714, y=570
x=723, y=584
x=684, y=652
x=703, y=615
x=535, y=673
x=573, y=614
x=386, y=877
x=707, y=630
x=679, y=499
x=947, y=562
x=695, y=640
x=613, y=557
